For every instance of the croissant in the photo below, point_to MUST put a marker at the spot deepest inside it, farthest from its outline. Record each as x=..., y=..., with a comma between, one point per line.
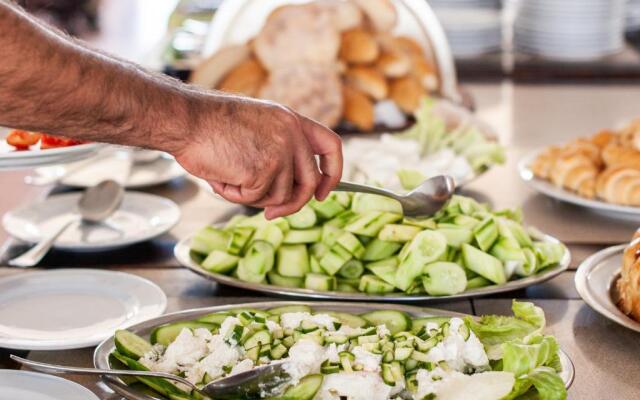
x=543, y=163
x=619, y=184
x=630, y=135
x=616, y=154
x=575, y=171
x=603, y=138
x=629, y=283
x=583, y=147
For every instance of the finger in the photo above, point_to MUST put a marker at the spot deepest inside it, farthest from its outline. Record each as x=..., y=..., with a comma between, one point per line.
x=328, y=146
x=281, y=189
x=245, y=194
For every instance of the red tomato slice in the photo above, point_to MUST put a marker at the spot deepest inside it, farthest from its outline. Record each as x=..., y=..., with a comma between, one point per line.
x=50, y=141
x=21, y=140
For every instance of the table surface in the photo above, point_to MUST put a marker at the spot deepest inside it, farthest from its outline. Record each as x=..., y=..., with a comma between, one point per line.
x=525, y=118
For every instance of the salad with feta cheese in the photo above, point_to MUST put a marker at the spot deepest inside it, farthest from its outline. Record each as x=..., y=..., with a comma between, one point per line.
x=361, y=243
x=432, y=146
x=378, y=355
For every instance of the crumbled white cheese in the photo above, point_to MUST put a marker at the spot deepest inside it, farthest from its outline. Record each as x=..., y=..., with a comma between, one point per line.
x=227, y=326
x=305, y=357
x=459, y=353
x=293, y=320
x=370, y=362
x=353, y=386
x=221, y=355
x=382, y=331
x=243, y=366
x=272, y=325
x=332, y=352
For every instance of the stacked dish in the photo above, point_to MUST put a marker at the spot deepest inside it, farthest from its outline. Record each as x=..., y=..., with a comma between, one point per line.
x=472, y=29
x=571, y=29
x=632, y=17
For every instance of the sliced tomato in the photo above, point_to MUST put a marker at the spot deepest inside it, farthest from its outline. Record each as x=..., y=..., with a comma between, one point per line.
x=21, y=140
x=50, y=141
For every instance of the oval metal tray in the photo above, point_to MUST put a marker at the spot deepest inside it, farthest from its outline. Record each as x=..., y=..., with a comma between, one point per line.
x=101, y=354
x=182, y=253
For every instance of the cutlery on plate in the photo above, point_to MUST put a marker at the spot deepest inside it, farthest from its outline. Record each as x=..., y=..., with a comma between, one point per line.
x=425, y=200
x=42, y=180
x=263, y=378
x=95, y=205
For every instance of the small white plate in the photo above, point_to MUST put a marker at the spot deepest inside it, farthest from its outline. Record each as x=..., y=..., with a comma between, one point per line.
x=595, y=281
x=140, y=217
x=159, y=171
x=551, y=190
x=27, y=385
x=73, y=308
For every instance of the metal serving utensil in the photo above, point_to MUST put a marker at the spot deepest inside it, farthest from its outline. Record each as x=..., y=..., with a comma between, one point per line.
x=423, y=201
x=260, y=379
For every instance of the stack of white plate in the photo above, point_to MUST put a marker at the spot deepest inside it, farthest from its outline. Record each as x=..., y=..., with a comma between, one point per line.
x=633, y=16
x=471, y=31
x=494, y=4
x=570, y=29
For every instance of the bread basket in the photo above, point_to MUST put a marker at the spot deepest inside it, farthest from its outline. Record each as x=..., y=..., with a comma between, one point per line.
x=237, y=21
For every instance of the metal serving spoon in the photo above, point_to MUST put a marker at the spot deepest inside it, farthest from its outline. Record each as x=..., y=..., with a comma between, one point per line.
x=95, y=205
x=423, y=201
x=263, y=378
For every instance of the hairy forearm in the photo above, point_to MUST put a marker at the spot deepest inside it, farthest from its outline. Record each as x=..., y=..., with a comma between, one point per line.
x=51, y=83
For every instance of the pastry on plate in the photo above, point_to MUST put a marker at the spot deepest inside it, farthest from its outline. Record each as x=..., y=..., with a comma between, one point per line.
x=576, y=172
x=381, y=14
x=344, y=13
x=358, y=108
x=407, y=93
x=209, y=73
x=246, y=78
x=620, y=185
x=358, y=47
x=393, y=64
x=629, y=283
x=368, y=80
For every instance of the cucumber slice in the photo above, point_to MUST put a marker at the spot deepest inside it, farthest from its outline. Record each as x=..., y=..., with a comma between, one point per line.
x=419, y=323
x=160, y=385
x=443, y=279
x=209, y=239
x=352, y=269
x=305, y=218
x=477, y=282
x=220, y=262
x=548, y=253
x=295, y=236
x=131, y=345
x=465, y=221
x=293, y=260
x=398, y=233
x=425, y=223
x=385, y=272
x=519, y=233
x=258, y=260
x=342, y=219
x=363, y=202
x=234, y=221
x=289, y=309
x=314, y=265
x=351, y=243
x=330, y=234
x=373, y=285
x=346, y=287
x=507, y=249
x=256, y=339
x=166, y=334
x=320, y=282
x=335, y=259
x=456, y=236
x=306, y=389
x=285, y=281
x=371, y=223
x=270, y=233
x=483, y=264
x=344, y=198
x=278, y=351
x=326, y=209
x=395, y=321
x=379, y=249
x=240, y=236
x=410, y=178
x=214, y=318
x=351, y=320
x=319, y=249
x=247, y=274
x=426, y=247
x=486, y=233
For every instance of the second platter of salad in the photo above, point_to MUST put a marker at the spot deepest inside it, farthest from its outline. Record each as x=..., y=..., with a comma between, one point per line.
x=359, y=247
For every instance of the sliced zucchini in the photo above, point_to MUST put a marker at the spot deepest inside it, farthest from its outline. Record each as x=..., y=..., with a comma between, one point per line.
x=395, y=321
x=166, y=334
x=131, y=345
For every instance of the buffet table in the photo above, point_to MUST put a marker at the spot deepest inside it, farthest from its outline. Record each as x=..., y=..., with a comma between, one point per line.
x=525, y=117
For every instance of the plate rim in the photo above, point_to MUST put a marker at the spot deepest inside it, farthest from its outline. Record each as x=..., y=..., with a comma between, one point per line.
x=57, y=151
x=32, y=345
x=581, y=282
x=102, y=351
x=170, y=204
x=181, y=253
x=550, y=190
x=81, y=388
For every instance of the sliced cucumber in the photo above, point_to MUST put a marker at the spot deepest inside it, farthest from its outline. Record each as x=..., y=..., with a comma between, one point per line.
x=270, y=233
x=220, y=262
x=395, y=321
x=330, y=234
x=486, y=233
x=306, y=389
x=363, y=203
x=240, y=236
x=166, y=334
x=477, y=282
x=314, y=265
x=352, y=269
x=379, y=249
x=351, y=320
x=371, y=223
x=398, y=233
x=444, y=279
x=256, y=339
x=419, y=323
x=457, y=236
x=305, y=218
x=285, y=281
x=295, y=236
x=326, y=209
x=160, y=385
x=335, y=259
x=373, y=285
x=351, y=243
x=214, y=318
x=131, y=345
x=426, y=247
x=293, y=260
x=260, y=257
x=289, y=309
x=483, y=264
x=320, y=282
x=425, y=223
x=507, y=249
x=342, y=219
x=319, y=249
x=209, y=239
x=386, y=272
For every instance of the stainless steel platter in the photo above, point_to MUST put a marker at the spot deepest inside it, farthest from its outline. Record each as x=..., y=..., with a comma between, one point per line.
x=101, y=354
x=182, y=253
x=596, y=283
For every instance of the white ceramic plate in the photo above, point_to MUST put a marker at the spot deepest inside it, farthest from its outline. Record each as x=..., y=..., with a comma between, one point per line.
x=12, y=159
x=596, y=281
x=551, y=190
x=140, y=217
x=27, y=385
x=159, y=171
x=101, y=355
x=72, y=308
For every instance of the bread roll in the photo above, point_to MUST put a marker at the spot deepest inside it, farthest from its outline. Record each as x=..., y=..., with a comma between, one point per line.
x=628, y=284
x=394, y=64
x=313, y=90
x=358, y=109
x=211, y=70
x=407, y=93
x=246, y=78
x=358, y=47
x=297, y=34
x=368, y=80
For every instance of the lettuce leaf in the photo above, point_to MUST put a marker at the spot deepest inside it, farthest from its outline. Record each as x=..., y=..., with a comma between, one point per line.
x=493, y=330
x=542, y=383
x=521, y=357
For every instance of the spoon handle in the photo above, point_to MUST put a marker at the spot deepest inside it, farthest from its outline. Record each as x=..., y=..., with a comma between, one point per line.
x=33, y=256
x=356, y=187
x=57, y=369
